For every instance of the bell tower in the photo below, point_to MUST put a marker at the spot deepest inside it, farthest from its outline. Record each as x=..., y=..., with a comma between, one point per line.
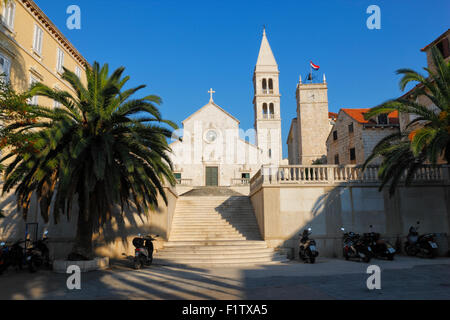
x=266, y=104
x=313, y=123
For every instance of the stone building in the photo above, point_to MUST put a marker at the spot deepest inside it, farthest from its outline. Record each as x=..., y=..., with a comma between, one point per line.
x=214, y=151
x=442, y=43
x=32, y=49
x=353, y=138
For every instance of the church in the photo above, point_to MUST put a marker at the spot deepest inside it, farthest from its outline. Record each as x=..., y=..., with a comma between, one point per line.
x=214, y=151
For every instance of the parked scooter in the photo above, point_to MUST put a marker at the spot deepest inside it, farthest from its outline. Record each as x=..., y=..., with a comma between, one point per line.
x=4, y=257
x=424, y=245
x=355, y=248
x=38, y=255
x=143, y=254
x=308, y=250
x=11, y=256
x=379, y=248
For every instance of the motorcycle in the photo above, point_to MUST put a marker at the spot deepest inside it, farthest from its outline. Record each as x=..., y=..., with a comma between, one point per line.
x=424, y=245
x=4, y=257
x=307, y=250
x=143, y=254
x=379, y=248
x=355, y=248
x=38, y=254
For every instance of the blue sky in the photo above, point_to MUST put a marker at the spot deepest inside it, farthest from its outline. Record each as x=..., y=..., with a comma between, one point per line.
x=182, y=48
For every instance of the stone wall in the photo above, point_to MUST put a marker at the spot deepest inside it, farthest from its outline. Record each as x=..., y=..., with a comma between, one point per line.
x=291, y=207
x=363, y=139
x=113, y=240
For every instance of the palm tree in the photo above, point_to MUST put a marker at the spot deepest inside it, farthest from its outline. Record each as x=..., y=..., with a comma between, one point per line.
x=426, y=139
x=99, y=148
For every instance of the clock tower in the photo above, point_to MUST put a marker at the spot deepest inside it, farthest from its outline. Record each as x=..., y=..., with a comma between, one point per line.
x=313, y=123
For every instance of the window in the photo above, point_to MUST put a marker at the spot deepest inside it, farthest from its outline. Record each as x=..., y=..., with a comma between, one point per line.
x=350, y=128
x=271, y=111
x=37, y=42
x=383, y=119
x=352, y=154
x=336, y=159
x=246, y=175
x=60, y=61
x=335, y=136
x=264, y=86
x=33, y=100
x=270, y=153
x=5, y=66
x=443, y=47
x=265, y=112
x=177, y=176
x=56, y=104
x=270, y=86
x=9, y=11
x=78, y=71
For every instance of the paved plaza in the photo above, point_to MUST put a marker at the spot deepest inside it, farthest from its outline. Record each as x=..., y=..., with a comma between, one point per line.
x=404, y=278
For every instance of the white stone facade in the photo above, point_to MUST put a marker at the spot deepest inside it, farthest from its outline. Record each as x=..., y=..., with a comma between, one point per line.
x=214, y=151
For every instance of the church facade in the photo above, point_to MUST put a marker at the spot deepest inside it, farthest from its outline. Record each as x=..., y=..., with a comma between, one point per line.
x=214, y=151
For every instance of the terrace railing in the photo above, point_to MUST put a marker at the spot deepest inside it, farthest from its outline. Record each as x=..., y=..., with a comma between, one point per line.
x=332, y=174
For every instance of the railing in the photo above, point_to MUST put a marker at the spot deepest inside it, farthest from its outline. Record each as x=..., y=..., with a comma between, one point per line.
x=267, y=91
x=268, y=116
x=240, y=182
x=184, y=182
x=329, y=174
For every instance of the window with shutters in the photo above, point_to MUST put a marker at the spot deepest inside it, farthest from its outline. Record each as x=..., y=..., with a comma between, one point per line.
x=33, y=100
x=9, y=11
x=78, y=71
x=60, y=61
x=38, y=38
x=5, y=66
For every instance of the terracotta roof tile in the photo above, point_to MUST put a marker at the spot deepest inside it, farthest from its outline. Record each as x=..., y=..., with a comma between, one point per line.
x=358, y=115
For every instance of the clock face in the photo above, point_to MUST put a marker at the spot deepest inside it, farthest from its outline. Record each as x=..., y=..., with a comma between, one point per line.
x=211, y=136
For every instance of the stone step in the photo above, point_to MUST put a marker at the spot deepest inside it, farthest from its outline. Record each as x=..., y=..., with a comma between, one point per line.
x=231, y=249
x=206, y=238
x=216, y=255
x=254, y=243
x=215, y=230
x=220, y=261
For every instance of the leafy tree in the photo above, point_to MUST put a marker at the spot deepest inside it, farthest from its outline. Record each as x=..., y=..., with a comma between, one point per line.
x=426, y=139
x=100, y=148
x=14, y=108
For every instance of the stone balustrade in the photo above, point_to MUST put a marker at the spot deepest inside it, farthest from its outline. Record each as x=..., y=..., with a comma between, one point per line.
x=240, y=182
x=332, y=174
x=184, y=182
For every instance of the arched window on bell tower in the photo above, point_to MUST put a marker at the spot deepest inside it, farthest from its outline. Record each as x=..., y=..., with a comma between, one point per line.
x=264, y=110
x=264, y=86
x=270, y=86
x=271, y=111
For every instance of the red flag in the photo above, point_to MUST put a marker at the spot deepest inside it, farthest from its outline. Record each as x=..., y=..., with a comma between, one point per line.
x=315, y=67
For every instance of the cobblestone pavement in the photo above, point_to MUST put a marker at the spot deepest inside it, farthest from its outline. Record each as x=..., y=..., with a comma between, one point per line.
x=404, y=278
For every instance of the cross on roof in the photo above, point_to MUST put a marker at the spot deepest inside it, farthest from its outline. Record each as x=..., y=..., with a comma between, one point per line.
x=211, y=91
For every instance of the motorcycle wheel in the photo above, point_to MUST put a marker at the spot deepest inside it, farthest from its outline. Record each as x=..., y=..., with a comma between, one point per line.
x=346, y=257
x=32, y=267
x=149, y=261
x=137, y=264
x=390, y=257
x=410, y=251
x=432, y=254
x=312, y=260
x=366, y=259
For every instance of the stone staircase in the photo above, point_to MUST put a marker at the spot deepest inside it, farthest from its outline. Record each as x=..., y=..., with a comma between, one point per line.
x=213, y=228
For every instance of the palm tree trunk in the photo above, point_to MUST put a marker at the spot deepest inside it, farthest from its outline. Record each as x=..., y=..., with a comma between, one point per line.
x=82, y=249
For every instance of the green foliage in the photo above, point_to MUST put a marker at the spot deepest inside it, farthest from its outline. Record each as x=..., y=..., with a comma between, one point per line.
x=426, y=138
x=101, y=148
